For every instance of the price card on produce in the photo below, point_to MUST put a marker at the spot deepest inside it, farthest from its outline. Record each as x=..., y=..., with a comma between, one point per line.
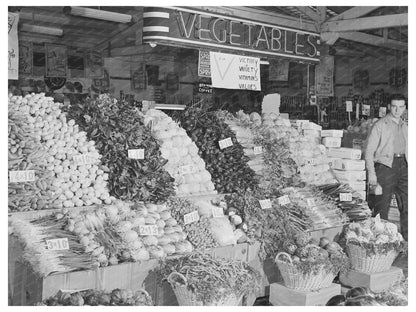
x=146, y=230
x=225, y=143
x=366, y=109
x=310, y=202
x=348, y=106
x=258, y=150
x=217, y=212
x=382, y=111
x=185, y=169
x=57, y=244
x=311, y=161
x=136, y=153
x=191, y=217
x=21, y=176
x=84, y=160
x=345, y=196
x=265, y=203
x=284, y=200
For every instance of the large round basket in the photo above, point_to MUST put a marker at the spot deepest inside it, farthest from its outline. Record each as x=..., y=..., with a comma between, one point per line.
x=362, y=262
x=296, y=279
x=187, y=297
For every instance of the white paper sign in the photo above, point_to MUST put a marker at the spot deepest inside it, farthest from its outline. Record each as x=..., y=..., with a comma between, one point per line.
x=136, y=153
x=191, y=217
x=13, y=55
x=225, y=143
x=366, y=110
x=217, y=212
x=22, y=176
x=284, y=200
x=238, y=72
x=265, y=203
x=348, y=106
x=345, y=196
x=311, y=161
x=382, y=111
x=83, y=160
x=146, y=230
x=57, y=244
x=258, y=150
x=204, y=67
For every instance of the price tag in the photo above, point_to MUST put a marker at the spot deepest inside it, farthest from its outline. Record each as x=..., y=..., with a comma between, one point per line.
x=185, y=169
x=83, y=160
x=311, y=161
x=258, y=150
x=57, y=244
x=265, y=203
x=136, y=153
x=225, y=143
x=382, y=111
x=217, y=212
x=348, y=106
x=284, y=200
x=310, y=202
x=191, y=217
x=345, y=196
x=366, y=110
x=146, y=230
x=22, y=176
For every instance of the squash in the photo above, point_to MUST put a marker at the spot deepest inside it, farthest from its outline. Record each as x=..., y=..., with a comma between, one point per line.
x=171, y=222
x=156, y=252
x=130, y=236
x=169, y=230
x=140, y=255
x=169, y=249
x=149, y=220
x=165, y=215
x=164, y=240
x=150, y=240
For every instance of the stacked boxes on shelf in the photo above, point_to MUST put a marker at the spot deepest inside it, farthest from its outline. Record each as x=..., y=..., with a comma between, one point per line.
x=313, y=131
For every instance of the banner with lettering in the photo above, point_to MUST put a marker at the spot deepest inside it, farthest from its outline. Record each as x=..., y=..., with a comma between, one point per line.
x=13, y=63
x=325, y=76
x=238, y=72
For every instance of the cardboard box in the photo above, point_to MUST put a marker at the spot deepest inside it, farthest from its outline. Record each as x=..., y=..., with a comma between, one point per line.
x=345, y=152
x=283, y=296
x=311, y=126
x=348, y=164
x=311, y=133
x=331, y=142
x=350, y=175
x=332, y=133
x=332, y=160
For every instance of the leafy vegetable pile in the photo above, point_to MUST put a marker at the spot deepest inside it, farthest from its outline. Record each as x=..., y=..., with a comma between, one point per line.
x=116, y=128
x=211, y=278
x=228, y=167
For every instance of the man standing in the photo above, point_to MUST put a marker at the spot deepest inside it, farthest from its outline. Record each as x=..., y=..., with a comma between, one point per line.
x=386, y=161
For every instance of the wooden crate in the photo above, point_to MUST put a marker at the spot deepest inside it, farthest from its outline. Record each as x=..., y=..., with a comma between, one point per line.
x=283, y=296
x=376, y=282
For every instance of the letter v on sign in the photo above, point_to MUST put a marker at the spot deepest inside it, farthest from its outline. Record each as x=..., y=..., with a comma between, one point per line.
x=220, y=61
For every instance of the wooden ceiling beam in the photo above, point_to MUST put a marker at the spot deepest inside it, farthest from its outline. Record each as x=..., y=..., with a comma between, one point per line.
x=374, y=40
x=364, y=23
x=354, y=12
x=309, y=12
x=30, y=37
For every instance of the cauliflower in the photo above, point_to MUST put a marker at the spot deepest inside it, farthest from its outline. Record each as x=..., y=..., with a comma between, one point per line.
x=377, y=228
x=390, y=228
x=367, y=233
x=399, y=237
x=382, y=238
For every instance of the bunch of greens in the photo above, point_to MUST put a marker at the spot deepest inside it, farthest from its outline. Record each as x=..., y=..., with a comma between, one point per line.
x=117, y=127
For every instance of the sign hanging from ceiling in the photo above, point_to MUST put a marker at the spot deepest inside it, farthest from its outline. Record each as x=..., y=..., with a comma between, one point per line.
x=200, y=29
x=230, y=71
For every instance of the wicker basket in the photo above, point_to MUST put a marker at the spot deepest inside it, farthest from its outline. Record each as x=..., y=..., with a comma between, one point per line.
x=187, y=297
x=362, y=262
x=295, y=279
x=149, y=300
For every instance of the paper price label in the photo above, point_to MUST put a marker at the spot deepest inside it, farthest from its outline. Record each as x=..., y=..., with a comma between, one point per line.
x=382, y=111
x=217, y=212
x=146, y=230
x=84, y=160
x=284, y=200
x=185, y=169
x=310, y=202
x=348, y=106
x=258, y=150
x=136, y=153
x=345, y=196
x=311, y=161
x=225, y=143
x=191, y=217
x=366, y=110
x=265, y=203
x=22, y=176
x=57, y=244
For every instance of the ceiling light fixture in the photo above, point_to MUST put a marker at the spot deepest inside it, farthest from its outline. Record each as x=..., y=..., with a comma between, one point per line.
x=98, y=14
x=42, y=30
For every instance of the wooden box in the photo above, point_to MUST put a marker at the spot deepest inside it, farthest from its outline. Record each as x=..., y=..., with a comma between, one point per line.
x=283, y=296
x=376, y=282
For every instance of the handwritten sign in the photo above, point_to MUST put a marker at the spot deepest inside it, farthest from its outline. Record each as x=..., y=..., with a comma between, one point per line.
x=382, y=111
x=146, y=230
x=284, y=200
x=345, y=196
x=204, y=67
x=13, y=54
x=258, y=150
x=265, y=203
x=191, y=217
x=225, y=143
x=57, y=244
x=324, y=76
x=238, y=72
x=217, y=212
x=366, y=109
x=21, y=176
x=136, y=153
x=84, y=160
x=311, y=161
x=187, y=169
x=56, y=60
x=348, y=106
x=310, y=202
